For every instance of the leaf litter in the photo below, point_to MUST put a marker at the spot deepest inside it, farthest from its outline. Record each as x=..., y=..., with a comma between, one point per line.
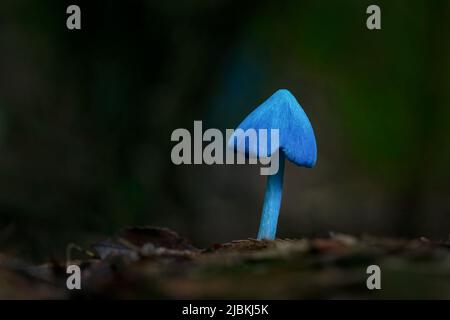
x=155, y=263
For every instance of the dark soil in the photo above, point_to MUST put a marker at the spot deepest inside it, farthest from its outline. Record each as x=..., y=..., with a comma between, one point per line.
x=154, y=263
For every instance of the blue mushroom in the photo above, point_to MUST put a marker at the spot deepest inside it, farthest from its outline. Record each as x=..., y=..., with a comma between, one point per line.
x=296, y=142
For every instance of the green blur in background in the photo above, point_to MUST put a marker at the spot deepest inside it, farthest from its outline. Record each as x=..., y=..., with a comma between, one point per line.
x=86, y=117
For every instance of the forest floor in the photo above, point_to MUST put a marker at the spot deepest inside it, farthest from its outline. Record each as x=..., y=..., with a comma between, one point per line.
x=149, y=263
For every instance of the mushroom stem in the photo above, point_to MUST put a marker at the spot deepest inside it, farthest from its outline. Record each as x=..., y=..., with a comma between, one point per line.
x=272, y=202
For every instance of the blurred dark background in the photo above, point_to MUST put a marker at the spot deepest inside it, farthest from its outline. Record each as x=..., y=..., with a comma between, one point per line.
x=86, y=117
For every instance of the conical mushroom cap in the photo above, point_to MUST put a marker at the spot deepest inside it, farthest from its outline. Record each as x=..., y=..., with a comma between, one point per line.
x=296, y=136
